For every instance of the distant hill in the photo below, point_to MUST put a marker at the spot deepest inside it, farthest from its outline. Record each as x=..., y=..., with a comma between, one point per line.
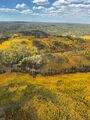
x=49, y=28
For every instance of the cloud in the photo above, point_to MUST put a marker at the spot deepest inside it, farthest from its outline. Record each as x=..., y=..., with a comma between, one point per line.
x=82, y=6
x=58, y=8
x=40, y=1
x=8, y=10
x=58, y=3
x=21, y=6
x=38, y=7
x=28, y=11
x=72, y=7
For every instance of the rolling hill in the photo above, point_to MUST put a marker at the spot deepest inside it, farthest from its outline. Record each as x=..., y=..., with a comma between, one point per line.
x=46, y=56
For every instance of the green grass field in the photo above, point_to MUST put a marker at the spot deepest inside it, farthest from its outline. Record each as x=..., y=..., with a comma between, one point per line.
x=60, y=97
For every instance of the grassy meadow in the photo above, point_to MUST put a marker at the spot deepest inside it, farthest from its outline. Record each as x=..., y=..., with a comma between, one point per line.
x=60, y=97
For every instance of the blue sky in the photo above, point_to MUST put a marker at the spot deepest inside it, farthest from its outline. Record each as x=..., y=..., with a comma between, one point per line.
x=72, y=11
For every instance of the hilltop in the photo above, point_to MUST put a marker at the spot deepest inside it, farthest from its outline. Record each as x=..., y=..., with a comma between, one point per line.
x=46, y=56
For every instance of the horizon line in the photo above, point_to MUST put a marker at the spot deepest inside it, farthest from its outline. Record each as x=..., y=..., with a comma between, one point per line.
x=46, y=22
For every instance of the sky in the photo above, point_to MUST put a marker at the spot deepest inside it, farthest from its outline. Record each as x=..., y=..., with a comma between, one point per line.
x=66, y=11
